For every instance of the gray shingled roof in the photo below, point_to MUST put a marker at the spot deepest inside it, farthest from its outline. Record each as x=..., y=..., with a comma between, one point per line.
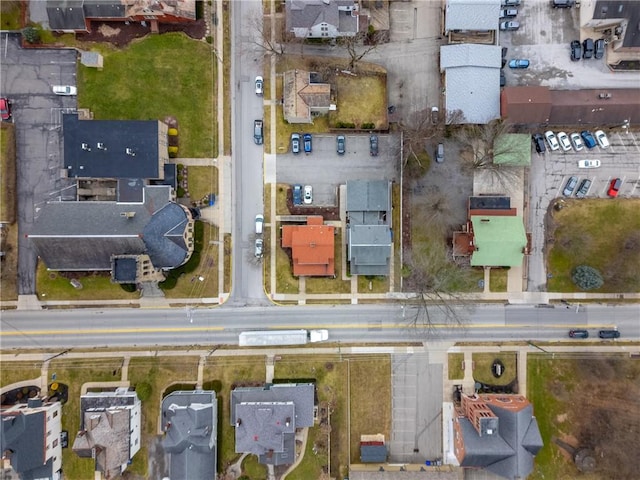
x=140, y=136
x=190, y=423
x=472, y=15
x=308, y=13
x=19, y=434
x=104, y=9
x=84, y=235
x=472, y=80
x=369, y=249
x=66, y=15
x=368, y=196
x=373, y=453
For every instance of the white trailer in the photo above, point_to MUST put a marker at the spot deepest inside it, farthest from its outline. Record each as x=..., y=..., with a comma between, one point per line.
x=264, y=338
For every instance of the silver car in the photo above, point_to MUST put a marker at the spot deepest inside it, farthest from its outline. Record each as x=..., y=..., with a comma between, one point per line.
x=259, y=246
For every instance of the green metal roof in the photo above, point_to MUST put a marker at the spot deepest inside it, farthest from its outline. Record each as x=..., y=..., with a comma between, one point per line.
x=500, y=241
x=512, y=149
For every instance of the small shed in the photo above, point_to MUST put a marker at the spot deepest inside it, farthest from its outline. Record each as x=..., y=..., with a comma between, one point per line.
x=91, y=59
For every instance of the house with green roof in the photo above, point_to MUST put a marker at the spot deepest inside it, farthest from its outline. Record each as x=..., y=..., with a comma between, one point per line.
x=500, y=241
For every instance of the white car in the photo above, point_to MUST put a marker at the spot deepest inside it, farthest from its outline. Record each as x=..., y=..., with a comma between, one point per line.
x=552, y=140
x=308, y=194
x=588, y=163
x=577, y=142
x=601, y=138
x=565, y=143
x=259, y=86
x=259, y=224
x=64, y=90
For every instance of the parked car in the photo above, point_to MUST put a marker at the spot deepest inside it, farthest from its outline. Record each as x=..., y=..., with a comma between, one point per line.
x=257, y=132
x=562, y=3
x=589, y=164
x=259, y=246
x=519, y=63
x=579, y=333
x=508, y=12
x=599, y=48
x=435, y=113
x=440, y=153
x=583, y=189
x=589, y=141
x=64, y=90
x=588, y=48
x=259, y=224
x=340, y=144
x=259, y=86
x=295, y=143
x=614, y=187
x=5, y=108
x=373, y=145
x=570, y=186
x=538, y=141
x=609, y=334
x=308, y=194
x=552, y=140
x=503, y=79
x=564, y=141
x=577, y=142
x=602, y=139
x=576, y=50
x=510, y=25
x=297, y=195
x=510, y=3
x=306, y=138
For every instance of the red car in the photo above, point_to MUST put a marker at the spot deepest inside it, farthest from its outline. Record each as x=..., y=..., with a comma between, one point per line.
x=614, y=187
x=5, y=108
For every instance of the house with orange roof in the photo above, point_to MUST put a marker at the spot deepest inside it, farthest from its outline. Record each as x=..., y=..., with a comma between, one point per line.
x=312, y=247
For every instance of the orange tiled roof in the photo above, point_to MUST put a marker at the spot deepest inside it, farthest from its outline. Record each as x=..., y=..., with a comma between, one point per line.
x=312, y=247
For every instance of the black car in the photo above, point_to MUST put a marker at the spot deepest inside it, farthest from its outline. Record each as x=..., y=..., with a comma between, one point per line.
x=584, y=188
x=588, y=48
x=576, y=50
x=563, y=3
x=538, y=141
x=503, y=79
x=578, y=333
x=609, y=334
x=599, y=48
x=373, y=145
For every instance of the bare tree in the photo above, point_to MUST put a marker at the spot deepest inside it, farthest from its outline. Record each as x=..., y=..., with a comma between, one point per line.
x=436, y=282
x=258, y=27
x=356, y=48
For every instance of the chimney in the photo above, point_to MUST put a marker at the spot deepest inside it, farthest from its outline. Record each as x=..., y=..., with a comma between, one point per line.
x=85, y=146
x=130, y=151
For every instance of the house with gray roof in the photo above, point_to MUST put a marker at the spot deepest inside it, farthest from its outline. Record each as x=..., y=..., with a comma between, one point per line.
x=322, y=18
x=190, y=425
x=471, y=15
x=30, y=439
x=266, y=419
x=304, y=96
x=369, y=237
x=496, y=432
x=109, y=429
x=472, y=81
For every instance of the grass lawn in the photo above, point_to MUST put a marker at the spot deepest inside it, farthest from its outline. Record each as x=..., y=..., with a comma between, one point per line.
x=328, y=284
x=202, y=181
x=281, y=199
x=397, y=237
x=19, y=371
x=482, y=368
x=253, y=469
x=74, y=373
x=227, y=263
x=370, y=90
x=221, y=374
x=498, y=279
x=9, y=270
x=10, y=15
x=285, y=281
x=95, y=286
x=8, y=172
x=370, y=399
x=456, y=371
x=378, y=284
x=312, y=463
x=226, y=65
x=284, y=129
x=604, y=234
x=155, y=77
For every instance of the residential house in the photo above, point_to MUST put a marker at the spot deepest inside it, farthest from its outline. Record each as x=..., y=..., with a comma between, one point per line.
x=190, y=425
x=616, y=21
x=266, y=419
x=494, y=235
x=305, y=95
x=109, y=430
x=322, y=18
x=312, y=247
x=540, y=105
x=369, y=237
x=30, y=439
x=78, y=15
x=471, y=81
x=496, y=432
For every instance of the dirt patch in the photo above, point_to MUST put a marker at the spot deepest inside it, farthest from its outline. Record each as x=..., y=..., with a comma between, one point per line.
x=119, y=34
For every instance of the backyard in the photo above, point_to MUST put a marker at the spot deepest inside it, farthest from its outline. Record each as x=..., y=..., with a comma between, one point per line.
x=603, y=234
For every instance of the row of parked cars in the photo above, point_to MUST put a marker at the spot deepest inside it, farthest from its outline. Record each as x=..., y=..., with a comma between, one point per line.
x=341, y=144
x=605, y=334
x=587, y=49
x=585, y=185
x=570, y=142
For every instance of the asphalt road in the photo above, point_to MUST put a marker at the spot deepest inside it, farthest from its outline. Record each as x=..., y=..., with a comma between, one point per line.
x=350, y=324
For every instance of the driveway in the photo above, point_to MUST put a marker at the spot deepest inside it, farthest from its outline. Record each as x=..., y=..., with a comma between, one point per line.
x=27, y=79
x=325, y=170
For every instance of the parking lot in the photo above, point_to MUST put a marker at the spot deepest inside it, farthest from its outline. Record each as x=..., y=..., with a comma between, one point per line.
x=544, y=37
x=325, y=170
